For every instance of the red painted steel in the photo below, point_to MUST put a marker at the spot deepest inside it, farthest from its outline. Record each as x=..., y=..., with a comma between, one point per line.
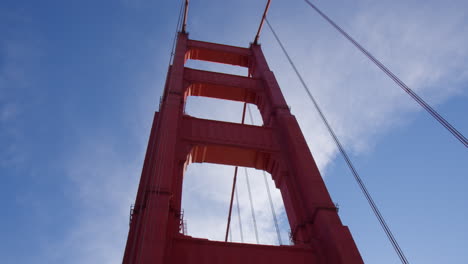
x=261, y=22
x=278, y=147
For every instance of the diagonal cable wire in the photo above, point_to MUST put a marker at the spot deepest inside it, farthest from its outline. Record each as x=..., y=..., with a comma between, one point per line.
x=397, y=80
x=344, y=154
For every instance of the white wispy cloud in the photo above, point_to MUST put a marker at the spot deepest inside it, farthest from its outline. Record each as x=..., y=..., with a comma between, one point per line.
x=18, y=61
x=359, y=100
x=207, y=192
x=361, y=104
x=103, y=183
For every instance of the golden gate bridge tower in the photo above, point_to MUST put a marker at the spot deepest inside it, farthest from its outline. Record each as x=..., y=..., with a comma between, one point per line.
x=278, y=147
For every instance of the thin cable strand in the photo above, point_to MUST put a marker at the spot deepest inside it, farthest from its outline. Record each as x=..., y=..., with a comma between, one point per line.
x=239, y=216
x=251, y=205
x=397, y=80
x=275, y=220
x=273, y=213
x=179, y=19
x=344, y=154
x=228, y=227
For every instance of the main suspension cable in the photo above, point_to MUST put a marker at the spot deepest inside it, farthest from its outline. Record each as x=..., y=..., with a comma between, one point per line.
x=184, y=24
x=344, y=154
x=261, y=22
x=179, y=20
x=397, y=80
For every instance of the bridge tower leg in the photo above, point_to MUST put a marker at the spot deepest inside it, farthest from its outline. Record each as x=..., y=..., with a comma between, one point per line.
x=278, y=147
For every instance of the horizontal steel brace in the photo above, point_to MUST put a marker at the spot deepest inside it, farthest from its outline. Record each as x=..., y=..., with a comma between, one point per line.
x=191, y=250
x=222, y=86
x=200, y=50
x=204, y=132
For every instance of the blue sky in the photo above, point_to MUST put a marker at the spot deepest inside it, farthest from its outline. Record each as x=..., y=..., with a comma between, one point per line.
x=80, y=81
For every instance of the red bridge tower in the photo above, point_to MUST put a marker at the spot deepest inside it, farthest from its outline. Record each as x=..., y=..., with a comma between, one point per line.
x=278, y=147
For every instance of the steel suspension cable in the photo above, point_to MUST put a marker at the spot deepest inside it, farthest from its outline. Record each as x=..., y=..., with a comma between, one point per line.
x=179, y=20
x=228, y=227
x=251, y=205
x=233, y=186
x=273, y=213
x=239, y=216
x=397, y=80
x=358, y=179
x=275, y=220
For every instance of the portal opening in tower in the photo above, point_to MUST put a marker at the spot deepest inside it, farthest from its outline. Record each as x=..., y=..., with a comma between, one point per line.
x=222, y=110
x=257, y=216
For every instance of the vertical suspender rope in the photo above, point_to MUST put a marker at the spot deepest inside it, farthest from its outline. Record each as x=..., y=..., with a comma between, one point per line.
x=234, y=181
x=233, y=187
x=275, y=220
x=239, y=216
x=344, y=154
x=251, y=205
x=273, y=213
x=397, y=80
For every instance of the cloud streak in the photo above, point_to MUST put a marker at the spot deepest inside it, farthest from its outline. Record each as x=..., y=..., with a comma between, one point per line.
x=361, y=104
